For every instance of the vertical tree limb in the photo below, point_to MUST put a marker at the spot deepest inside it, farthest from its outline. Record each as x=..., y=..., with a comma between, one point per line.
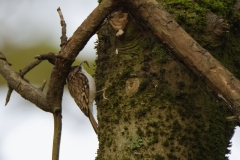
x=64, y=28
x=57, y=135
x=69, y=51
x=57, y=116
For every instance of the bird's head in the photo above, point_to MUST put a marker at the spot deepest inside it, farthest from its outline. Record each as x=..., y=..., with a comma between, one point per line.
x=79, y=68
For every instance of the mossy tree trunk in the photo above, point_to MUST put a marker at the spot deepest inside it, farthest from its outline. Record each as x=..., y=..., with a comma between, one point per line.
x=156, y=107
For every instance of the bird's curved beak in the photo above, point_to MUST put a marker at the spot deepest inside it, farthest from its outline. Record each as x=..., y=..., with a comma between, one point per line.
x=86, y=62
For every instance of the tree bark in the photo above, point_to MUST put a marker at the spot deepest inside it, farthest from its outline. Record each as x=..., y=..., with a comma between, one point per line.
x=198, y=59
x=157, y=108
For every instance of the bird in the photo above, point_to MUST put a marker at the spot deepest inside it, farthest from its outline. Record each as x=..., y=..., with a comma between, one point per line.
x=82, y=88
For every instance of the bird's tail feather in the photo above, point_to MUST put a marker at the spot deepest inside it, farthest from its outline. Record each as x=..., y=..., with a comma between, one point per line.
x=93, y=122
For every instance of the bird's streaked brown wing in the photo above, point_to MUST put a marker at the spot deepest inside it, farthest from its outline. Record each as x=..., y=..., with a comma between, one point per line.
x=79, y=89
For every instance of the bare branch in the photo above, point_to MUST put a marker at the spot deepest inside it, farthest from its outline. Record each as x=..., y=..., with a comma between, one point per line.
x=72, y=48
x=64, y=28
x=69, y=50
x=43, y=85
x=57, y=135
x=88, y=28
x=22, y=73
x=199, y=60
x=9, y=93
x=26, y=90
x=49, y=56
x=29, y=67
x=232, y=118
x=4, y=58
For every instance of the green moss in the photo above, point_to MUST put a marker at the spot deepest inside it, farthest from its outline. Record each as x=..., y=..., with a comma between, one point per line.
x=153, y=124
x=116, y=120
x=145, y=67
x=143, y=85
x=125, y=128
x=179, y=115
x=136, y=143
x=158, y=157
x=166, y=143
x=127, y=72
x=160, y=54
x=172, y=156
x=141, y=112
x=139, y=132
x=109, y=143
x=176, y=126
x=228, y=54
x=187, y=13
x=180, y=85
x=126, y=118
x=162, y=133
x=132, y=102
x=118, y=112
x=152, y=140
x=192, y=15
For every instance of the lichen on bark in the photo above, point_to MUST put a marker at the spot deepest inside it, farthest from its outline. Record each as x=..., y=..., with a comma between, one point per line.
x=173, y=114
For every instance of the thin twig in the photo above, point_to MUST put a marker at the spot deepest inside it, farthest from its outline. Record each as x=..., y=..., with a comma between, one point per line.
x=64, y=26
x=22, y=73
x=9, y=88
x=29, y=67
x=43, y=85
x=57, y=135
x=49, y=56
x=233, y=118
x=8, y=95
x=87, y=29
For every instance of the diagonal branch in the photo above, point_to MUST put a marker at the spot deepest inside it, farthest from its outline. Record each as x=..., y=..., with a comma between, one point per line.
x=29, y=67
x=71, y=49
x=64, y=60
x=199, y=60
x=22, y=73
x=87, y=29
x=49, y=56
x=26, y=90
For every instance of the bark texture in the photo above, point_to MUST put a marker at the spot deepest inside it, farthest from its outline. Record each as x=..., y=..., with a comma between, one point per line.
x=157, y=108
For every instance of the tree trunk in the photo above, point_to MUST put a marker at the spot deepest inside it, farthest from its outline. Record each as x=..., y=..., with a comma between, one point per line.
x=156, y=108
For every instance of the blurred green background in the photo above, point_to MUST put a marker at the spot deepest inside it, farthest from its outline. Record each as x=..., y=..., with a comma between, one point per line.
x=19, y=57
x=29, y=28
